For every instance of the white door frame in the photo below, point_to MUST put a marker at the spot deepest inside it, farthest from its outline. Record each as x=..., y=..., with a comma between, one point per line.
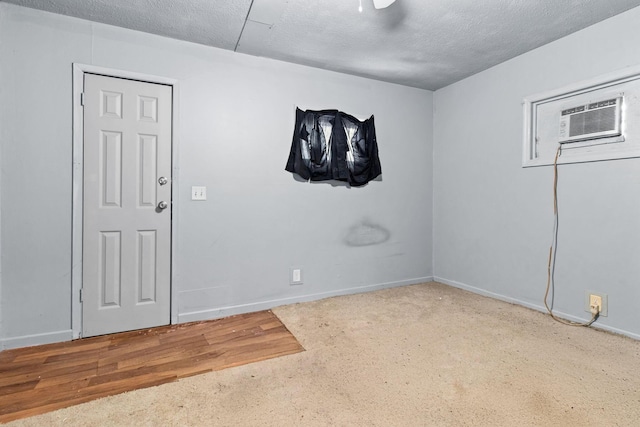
x=77, y=178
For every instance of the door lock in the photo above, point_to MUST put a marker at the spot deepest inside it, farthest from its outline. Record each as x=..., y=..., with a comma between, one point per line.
x=162, y=205
x=162, y=180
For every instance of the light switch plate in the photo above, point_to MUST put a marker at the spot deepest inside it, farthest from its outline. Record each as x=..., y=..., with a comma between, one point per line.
x=198, y=193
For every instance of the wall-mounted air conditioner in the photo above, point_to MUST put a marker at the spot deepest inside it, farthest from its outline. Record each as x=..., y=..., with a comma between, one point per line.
x=600, y=119
x=592, y=120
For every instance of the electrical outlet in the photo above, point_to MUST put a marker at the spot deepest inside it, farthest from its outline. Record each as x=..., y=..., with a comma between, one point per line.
x=295, y=276
x=593, y=300
x=595, y=303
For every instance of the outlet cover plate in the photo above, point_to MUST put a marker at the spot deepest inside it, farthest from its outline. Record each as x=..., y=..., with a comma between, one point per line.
x=295, y=276
x=604, y=310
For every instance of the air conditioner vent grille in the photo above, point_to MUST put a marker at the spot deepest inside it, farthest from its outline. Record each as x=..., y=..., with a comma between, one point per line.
x=595, y=120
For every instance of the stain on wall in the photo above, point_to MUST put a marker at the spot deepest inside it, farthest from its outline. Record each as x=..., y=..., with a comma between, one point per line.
x=366, y=233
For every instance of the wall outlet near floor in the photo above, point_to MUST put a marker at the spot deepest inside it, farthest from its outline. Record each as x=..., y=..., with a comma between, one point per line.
x=295, y=276
x=595, y=303
x=594, y=299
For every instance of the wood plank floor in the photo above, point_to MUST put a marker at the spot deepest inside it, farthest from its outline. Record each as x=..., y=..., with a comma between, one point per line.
x=35, y=380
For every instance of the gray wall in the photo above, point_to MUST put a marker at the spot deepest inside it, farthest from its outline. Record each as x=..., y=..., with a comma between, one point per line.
x=235, y=126
x=493, y=219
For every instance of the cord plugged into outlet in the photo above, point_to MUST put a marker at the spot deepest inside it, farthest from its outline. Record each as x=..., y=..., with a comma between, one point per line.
x=595, y=304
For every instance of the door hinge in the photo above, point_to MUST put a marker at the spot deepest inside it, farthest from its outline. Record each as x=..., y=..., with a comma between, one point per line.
x=82, y=99
x=80, y=294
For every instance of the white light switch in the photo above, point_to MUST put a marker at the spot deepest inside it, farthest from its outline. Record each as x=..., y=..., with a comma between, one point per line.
x=198, y=193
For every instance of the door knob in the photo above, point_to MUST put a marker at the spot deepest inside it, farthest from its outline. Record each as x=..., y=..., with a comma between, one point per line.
x=162, y=205
x=162, y=180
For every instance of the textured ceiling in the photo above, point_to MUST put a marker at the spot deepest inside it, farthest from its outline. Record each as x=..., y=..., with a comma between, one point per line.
x=420, y=43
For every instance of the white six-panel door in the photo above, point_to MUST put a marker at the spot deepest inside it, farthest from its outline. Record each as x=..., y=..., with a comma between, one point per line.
x=126, y=252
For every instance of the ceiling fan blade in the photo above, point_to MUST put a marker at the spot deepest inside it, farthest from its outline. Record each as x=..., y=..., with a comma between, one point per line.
x=381, y=4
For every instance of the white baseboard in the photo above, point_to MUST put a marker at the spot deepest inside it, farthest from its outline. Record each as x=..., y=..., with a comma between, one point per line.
x=216, y=313
x=36, y=339
x=537, y=307
x=67, y=335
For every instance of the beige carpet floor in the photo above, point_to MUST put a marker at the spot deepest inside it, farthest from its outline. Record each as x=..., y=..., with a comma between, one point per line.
x=422, y=355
